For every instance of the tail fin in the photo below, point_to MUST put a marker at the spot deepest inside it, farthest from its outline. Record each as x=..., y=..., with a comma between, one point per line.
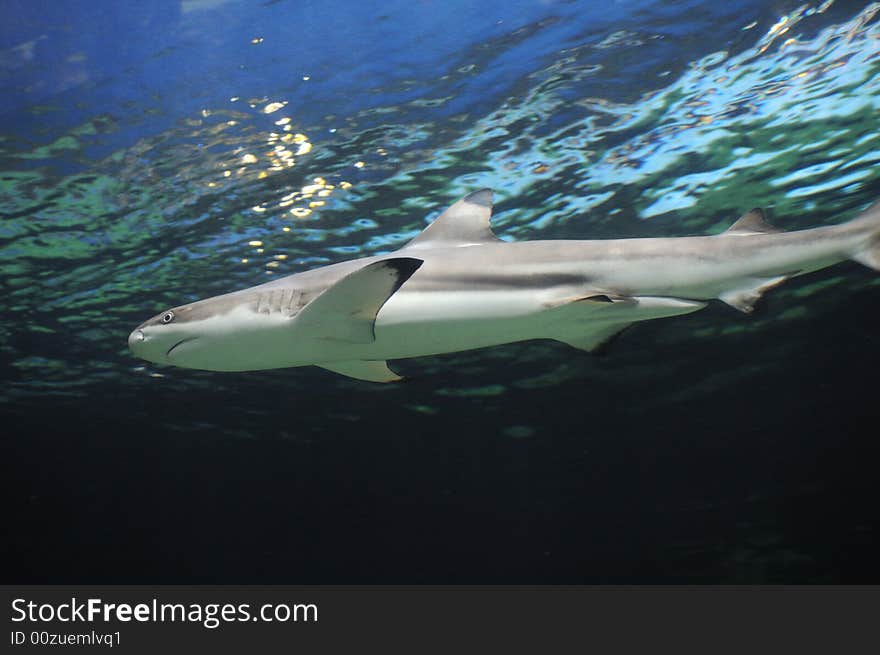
x=869, y=255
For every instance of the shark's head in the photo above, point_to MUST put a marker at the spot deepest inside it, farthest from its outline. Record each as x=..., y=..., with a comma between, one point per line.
x=291, y=322
x=206, y=334
x=167, y=337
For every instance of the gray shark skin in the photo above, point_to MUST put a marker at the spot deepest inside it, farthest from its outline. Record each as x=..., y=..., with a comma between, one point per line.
x=458, y=287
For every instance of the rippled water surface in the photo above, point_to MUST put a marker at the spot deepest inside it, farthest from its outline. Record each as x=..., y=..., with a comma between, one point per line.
x=156, y=153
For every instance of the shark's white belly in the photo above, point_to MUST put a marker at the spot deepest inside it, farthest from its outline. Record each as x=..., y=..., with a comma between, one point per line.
x=415, y=324
x=412, y=324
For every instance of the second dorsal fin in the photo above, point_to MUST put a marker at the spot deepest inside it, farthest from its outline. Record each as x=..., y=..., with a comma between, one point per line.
x=465, y=223
x=752, y=222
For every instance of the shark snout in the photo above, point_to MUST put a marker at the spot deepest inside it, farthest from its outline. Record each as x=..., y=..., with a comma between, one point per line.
x=135, y=339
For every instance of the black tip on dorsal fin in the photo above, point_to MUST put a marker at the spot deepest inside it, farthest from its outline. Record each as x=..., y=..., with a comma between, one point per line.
x=752, y=222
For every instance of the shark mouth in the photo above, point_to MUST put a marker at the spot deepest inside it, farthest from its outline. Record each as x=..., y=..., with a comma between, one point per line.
x=179, y=343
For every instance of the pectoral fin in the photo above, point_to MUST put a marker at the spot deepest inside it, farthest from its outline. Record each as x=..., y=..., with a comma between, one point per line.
x=347, y=310
x=371, y=371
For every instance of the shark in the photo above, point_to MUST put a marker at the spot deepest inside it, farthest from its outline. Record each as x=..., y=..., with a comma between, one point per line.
x=457, y=286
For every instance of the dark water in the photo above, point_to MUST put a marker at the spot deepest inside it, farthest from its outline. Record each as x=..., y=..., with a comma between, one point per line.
x=154, y=153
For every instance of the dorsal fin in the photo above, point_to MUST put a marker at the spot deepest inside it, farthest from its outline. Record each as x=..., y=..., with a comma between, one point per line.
x=466, y=223
x=752, y=222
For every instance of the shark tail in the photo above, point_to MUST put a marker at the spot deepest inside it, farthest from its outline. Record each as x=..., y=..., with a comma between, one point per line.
x=869, y=252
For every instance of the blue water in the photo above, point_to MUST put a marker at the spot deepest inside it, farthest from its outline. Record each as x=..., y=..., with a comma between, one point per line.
x=155, y=153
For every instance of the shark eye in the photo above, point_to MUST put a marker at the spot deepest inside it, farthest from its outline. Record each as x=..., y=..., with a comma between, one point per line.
x=168, y=317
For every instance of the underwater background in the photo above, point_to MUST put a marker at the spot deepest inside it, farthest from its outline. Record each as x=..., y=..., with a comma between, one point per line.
x=153, y=153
